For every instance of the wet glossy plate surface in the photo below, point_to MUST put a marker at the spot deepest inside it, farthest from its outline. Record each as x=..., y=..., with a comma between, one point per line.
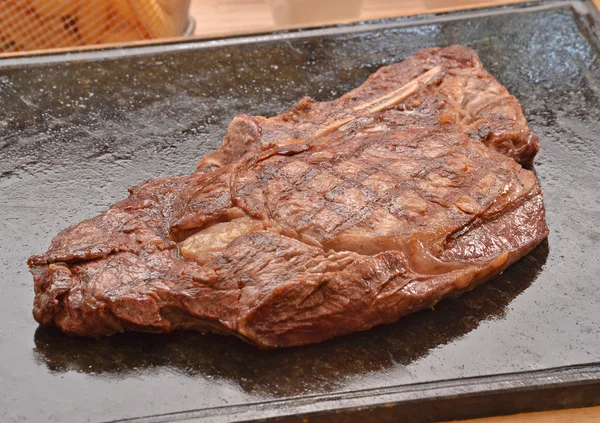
x=75, y=135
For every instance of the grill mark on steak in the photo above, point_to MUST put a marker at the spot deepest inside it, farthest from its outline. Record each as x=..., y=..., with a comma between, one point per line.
x=377, y=204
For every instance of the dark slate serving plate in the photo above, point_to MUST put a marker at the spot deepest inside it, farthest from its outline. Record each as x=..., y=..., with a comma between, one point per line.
x=77, y=129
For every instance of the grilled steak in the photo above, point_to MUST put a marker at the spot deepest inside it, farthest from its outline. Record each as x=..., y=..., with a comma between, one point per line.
x=327, y=219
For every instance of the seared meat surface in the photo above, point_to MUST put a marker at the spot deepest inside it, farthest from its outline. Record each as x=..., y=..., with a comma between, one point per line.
x=327, y=219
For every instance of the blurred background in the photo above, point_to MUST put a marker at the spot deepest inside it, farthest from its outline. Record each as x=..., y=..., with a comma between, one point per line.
x=31, y=25
x=27, y=25
x=222, y=17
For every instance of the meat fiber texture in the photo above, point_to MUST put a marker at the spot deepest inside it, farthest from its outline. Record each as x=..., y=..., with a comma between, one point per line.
x=330, y=218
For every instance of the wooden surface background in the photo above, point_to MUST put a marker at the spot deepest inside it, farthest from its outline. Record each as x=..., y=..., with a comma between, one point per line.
x=234, y=17
x=227, y=17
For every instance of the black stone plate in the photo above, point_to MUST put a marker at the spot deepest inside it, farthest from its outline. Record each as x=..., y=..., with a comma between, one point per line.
x=77, y=129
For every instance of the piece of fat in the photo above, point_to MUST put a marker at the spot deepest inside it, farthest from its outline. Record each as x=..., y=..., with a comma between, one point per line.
x=205, y=244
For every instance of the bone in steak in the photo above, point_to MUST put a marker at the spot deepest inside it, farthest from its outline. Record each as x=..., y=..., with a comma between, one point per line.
x=327, y=219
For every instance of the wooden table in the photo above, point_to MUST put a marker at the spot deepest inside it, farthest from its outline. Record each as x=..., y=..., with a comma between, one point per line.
x=235, y=17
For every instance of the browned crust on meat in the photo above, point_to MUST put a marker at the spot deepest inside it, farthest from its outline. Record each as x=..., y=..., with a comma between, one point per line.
x=372, y=206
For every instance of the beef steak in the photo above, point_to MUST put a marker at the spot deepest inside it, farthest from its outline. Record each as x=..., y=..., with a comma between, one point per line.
x=330, y=218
